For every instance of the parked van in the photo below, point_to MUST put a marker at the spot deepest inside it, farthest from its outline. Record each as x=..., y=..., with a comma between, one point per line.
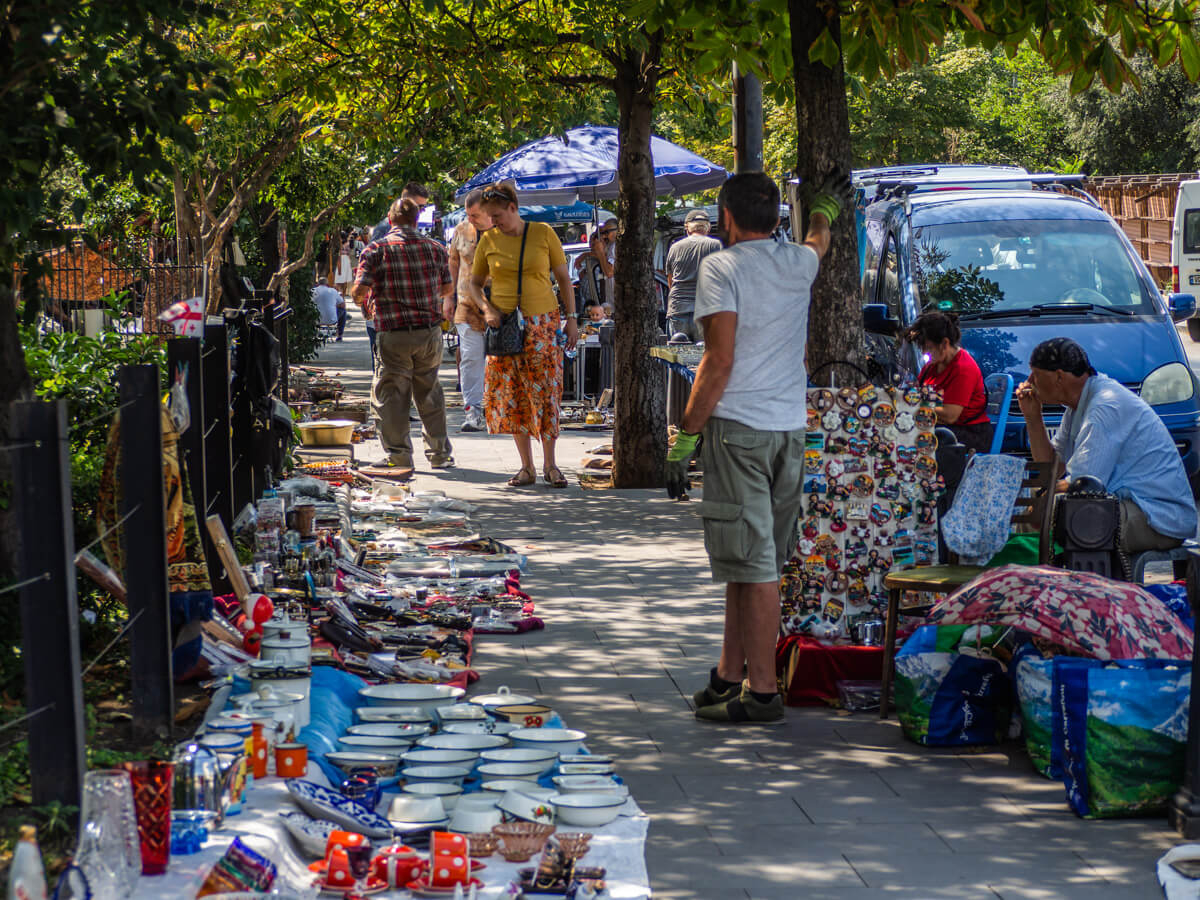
x=1185, y=246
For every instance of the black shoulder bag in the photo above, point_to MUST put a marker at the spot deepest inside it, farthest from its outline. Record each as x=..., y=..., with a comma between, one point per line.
x=508, y=338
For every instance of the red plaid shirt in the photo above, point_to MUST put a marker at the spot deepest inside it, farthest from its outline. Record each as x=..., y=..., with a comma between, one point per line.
x=406, y=272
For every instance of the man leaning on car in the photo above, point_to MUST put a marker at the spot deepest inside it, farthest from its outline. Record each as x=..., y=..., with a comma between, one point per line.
x=1111, y=434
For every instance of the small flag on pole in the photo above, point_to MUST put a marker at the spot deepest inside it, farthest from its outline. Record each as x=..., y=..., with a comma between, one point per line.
x=186, y=317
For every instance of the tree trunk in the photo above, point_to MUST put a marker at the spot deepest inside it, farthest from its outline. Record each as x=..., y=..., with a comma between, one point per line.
x=640, y=436
x=835, y=328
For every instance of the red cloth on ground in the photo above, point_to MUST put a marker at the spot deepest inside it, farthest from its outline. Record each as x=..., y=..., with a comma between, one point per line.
x=961, y=384
x=816, y=668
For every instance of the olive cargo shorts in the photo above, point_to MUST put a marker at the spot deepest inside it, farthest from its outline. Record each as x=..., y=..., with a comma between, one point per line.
x=752, y=497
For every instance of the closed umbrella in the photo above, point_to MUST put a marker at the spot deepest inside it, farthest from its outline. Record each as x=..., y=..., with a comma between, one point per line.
x=1081, y=611
x=557, y=169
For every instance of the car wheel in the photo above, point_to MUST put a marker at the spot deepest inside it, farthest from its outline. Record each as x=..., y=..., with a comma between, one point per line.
x=1194, y=329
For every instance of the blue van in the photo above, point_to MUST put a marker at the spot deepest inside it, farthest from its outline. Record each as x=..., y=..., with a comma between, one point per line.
x=1020, y=265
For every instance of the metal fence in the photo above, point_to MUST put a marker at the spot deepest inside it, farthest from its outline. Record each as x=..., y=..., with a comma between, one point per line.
x=143, y=274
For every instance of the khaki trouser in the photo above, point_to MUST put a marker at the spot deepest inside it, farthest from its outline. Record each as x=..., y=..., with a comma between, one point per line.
x=1137, y=534
x=408, y=365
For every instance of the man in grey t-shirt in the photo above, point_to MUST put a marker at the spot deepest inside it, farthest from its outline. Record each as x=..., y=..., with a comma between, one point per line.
x=683, y=268
x=748, y=398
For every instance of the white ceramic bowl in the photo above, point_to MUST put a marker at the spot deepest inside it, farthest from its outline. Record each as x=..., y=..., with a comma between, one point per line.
x=472, y=742
x=416, y=808
x=470, y=821
x=427, y=757
x=521, y=805
x=502, y=697
x=348, y=760
x=426, y=696
x=586, y=810
x=521, y=771
x=461, y=712
x=403, y=714
x=409, y=731
x=488, y=726
x=588, y=768
x=370, y=743
x=588, y=784
x=451, y=794
x=443, y=774
x=480, y=800
x=504, y=785
x=520, y=755
x=560, y=740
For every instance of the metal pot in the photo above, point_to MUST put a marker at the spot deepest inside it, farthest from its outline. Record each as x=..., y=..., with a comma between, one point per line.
x=870, y=633
x=287, y=648
x=203, y=780
x=282, y=678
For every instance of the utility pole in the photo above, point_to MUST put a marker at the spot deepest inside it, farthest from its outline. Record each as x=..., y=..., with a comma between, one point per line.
x=747, y=122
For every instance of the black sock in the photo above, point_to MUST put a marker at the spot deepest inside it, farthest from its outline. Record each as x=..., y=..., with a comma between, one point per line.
x=719, y=684
x=764, y=698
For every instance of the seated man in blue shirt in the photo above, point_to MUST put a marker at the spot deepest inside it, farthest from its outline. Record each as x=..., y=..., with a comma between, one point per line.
x=1111, y=434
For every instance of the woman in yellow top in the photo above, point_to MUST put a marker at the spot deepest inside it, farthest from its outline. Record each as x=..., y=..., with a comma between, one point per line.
x=522, y=394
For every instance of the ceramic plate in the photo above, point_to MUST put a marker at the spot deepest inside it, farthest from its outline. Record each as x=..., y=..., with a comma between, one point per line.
x=423, y=889
x=323, y=803
x=311, y=834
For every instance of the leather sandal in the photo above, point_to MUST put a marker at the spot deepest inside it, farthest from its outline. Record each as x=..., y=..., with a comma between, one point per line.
x=523, y=478
x=554, y=477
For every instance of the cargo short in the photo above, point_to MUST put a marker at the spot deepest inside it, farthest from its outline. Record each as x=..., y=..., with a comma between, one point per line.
x=752, y=496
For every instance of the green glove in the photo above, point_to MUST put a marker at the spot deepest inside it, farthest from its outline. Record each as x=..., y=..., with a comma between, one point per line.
x=678, y=459
x=834, y=193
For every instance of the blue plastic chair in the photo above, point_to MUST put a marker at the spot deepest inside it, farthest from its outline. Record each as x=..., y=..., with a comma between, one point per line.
x=999, y=389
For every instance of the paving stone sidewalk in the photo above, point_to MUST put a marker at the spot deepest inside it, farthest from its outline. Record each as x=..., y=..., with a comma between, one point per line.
x=828, y=805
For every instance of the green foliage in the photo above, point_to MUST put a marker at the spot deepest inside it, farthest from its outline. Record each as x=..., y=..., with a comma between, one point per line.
x=1154, y=129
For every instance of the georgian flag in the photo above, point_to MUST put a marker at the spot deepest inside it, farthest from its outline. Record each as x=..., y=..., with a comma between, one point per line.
x=186, y=317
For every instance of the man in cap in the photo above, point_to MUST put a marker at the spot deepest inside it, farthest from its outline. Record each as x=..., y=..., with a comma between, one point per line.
x=683, y=268
x=1111, y=434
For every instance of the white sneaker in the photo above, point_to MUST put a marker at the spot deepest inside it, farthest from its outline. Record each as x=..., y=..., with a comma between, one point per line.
x=473, y=421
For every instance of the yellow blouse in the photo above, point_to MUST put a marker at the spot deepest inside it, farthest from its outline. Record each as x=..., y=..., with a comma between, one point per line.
x=497, y=254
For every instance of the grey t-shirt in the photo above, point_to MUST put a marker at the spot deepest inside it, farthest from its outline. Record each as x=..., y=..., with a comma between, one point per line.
x=768, y=285
x=683, y=265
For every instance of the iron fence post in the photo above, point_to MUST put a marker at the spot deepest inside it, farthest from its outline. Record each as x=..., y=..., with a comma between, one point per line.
x=1184, y=810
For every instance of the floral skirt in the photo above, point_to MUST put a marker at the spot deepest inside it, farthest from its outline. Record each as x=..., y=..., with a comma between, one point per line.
x=523, y=393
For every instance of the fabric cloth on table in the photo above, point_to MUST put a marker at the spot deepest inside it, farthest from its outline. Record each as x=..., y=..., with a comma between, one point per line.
x=979, y=521
x=810, y=670
x=1096, y=616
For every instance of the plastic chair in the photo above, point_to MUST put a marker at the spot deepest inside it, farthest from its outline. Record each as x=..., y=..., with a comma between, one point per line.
x=999, y=389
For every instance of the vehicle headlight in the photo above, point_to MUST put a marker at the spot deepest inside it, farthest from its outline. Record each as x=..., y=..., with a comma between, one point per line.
x=1168, y=384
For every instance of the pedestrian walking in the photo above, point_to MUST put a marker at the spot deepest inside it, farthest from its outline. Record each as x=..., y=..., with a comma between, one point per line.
x=469, y=321
x=683, y=268
x=523, y=393
x=748, y=401
x=407, y=277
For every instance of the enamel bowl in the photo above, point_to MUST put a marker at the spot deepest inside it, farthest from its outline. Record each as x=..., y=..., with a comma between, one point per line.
x=588, y=768
x=521, y=771
x=451, y=794
x=348, y=760
x=528, y=806
x=588, y=784
x=461, y=712
x=504, y=785
x=502, y=697
x=427, y=757
x=427, y=697
x=407, y=730
x=443, y=774
x=488, y=726
x=570, y=758
x=587, y=810
x=475, y=743
x=372, y=744
x=546, y=758
x=403, y=714
x=560, y=740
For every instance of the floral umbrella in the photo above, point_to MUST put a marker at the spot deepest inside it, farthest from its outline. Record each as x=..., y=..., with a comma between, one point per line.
x=1100, y=618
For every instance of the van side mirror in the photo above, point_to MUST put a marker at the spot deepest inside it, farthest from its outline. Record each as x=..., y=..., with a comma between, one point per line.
x=877, y=321
x=1181, y=306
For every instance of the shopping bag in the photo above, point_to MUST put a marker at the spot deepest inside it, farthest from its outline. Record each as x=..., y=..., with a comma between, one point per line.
x=1120, y=732
x=949, y=691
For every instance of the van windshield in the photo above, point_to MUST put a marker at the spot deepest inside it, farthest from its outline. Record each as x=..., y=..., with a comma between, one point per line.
x=1015, y=265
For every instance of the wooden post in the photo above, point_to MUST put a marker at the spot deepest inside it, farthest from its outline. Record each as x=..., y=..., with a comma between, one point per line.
x=145, y=542
x=49, y=610
x=747, y=122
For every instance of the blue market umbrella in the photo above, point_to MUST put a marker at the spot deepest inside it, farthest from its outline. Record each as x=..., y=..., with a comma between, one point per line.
x=583, y=162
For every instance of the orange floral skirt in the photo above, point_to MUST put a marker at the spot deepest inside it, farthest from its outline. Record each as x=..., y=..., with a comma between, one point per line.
x=522, y=394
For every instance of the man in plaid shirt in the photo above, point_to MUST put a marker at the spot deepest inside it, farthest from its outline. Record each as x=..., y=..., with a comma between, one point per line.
x=403, y=279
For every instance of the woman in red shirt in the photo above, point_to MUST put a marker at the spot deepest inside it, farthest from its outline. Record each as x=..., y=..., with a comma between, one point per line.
x=955, y=373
